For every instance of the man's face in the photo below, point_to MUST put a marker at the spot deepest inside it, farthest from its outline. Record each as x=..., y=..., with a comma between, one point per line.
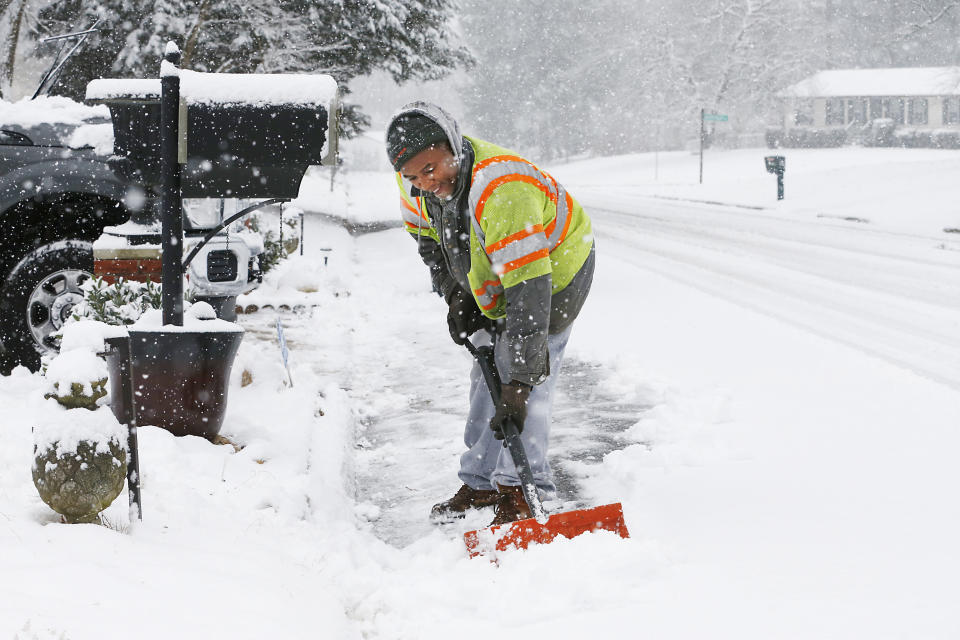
x=433, y=170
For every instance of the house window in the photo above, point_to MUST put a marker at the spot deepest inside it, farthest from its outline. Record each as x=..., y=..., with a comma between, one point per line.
x=918, y=110
x=834, y=113
x=951, y=110
x=876, y=108
x=857, y=111
x=893, y=109
x=803, y=112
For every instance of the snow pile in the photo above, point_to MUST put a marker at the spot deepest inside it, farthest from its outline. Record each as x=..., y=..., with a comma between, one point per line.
x=49, y=109
x=77, y=366
x=131, y=88
x=68, y=429
x=200, y=311
x=264, y=89
x=196, y=322
x=260, y=89
x=98, y=136
x=209, y=511
x=78, y=362
x=302, y=281
x=357, y=197
x=88, y=335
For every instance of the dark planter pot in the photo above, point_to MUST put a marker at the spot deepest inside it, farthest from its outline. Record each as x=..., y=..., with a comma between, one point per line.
x=179, y=379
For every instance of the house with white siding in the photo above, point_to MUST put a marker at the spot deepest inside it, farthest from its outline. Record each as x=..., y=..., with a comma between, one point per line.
x=918, y=97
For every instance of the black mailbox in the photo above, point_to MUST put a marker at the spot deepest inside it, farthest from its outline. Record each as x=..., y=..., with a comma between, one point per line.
x=775, y=164
x=241, y=135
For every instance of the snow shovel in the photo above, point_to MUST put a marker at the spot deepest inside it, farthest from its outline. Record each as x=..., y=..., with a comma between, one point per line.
x=541, y=528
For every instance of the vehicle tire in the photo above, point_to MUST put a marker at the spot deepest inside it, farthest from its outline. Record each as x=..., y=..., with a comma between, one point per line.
x=37, y=298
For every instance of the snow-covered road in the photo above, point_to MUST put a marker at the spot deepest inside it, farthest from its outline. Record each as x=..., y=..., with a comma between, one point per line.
x=888, y=294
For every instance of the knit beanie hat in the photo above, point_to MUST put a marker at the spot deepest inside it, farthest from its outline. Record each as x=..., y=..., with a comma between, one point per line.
x=409, y=134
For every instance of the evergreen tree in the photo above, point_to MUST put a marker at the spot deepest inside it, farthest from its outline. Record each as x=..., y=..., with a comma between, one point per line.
x=345, y=38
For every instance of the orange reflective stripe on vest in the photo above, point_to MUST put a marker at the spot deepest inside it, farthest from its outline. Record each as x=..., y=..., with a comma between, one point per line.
x=412, y=216
x=498, y=170
x=488, y=293
x=518, y=249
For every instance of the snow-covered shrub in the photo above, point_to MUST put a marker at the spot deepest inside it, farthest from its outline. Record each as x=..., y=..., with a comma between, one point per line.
x=927, y=138
x=879, y=133
x=121, y=303
x=80, y=461
x=946, y=139
x=806, y=138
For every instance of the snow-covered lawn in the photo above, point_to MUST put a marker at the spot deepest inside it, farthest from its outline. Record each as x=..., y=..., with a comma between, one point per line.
x=906, y=190
x=772, y=393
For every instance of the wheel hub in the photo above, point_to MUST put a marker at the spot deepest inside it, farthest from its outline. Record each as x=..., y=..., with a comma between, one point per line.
x=62, y=307
x=51, y=303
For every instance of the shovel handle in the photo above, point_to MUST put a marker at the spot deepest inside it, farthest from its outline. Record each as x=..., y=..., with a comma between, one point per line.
x=511, y=438
x=511, y=434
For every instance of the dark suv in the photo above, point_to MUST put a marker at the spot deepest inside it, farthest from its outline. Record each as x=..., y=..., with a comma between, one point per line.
x=57, y=193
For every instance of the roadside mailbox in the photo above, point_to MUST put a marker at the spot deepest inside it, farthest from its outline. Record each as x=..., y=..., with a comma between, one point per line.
x=202, y=135
x=240, y=135
x=777, y=165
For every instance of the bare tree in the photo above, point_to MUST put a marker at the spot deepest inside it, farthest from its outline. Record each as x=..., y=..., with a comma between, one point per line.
x=931, y=16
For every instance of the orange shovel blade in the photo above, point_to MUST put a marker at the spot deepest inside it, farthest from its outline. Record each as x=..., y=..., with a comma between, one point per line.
x=520, y=534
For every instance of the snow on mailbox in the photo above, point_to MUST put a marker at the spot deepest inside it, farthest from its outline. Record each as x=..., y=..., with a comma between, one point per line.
x=241, y=135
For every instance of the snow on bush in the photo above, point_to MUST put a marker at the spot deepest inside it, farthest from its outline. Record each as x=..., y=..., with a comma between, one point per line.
x=120, y=303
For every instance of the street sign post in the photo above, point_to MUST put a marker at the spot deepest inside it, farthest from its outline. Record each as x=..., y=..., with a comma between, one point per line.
x=707, y=117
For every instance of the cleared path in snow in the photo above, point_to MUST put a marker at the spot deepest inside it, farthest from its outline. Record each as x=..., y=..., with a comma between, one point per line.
x=408, y=384
x=891, y=295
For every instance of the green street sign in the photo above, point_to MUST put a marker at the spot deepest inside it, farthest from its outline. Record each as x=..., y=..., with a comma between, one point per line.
x=715, y=117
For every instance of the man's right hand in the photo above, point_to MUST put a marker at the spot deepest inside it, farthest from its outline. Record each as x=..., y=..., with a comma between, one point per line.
x=464, y=317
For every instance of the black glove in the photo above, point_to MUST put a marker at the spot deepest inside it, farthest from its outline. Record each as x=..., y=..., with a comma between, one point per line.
x=512, y=406
x=464, y=317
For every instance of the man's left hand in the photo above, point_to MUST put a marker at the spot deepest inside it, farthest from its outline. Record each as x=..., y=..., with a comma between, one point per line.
x=464, y=317
x=512, y=406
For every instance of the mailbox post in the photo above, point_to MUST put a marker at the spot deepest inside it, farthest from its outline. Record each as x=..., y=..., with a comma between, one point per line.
x=777, y=165
x=171, y=202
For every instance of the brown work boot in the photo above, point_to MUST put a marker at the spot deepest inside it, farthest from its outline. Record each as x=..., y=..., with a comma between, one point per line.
x=511, y=506
x=465, y=498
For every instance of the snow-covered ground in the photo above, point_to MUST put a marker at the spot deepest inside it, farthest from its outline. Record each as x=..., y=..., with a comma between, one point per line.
x=771, y=390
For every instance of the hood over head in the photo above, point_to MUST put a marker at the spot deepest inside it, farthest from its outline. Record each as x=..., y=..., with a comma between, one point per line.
x=425, y=115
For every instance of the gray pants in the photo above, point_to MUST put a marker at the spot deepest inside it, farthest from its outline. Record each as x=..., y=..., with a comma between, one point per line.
x=487, y=462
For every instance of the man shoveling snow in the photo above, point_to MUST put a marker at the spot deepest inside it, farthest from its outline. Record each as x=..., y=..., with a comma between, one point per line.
x=512, y=254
